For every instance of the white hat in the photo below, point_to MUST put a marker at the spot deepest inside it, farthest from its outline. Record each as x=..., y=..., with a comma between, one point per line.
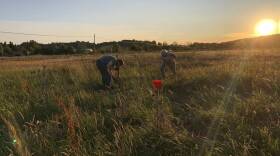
x=164, y=53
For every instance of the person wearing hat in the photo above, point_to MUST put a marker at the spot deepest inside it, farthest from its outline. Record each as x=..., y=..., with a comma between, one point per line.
x=108, y=66
x=168, y=59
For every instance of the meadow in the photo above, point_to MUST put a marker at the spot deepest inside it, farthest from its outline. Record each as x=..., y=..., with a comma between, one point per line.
x=221, y=103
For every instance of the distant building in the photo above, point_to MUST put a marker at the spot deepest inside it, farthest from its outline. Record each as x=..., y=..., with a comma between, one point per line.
x=88, y=50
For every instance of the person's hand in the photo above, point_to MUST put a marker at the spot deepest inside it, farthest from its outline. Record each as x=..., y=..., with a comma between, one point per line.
x=118, y=73
x=110, y=72
x=116, y=77
x=108, y=87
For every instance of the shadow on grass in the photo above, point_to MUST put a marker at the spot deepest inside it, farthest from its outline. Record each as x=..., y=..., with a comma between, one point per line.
x=194, y=98
x=6, y=142
x=93, y=87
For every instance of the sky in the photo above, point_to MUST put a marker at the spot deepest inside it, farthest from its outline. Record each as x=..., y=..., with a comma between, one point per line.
x=180, y=21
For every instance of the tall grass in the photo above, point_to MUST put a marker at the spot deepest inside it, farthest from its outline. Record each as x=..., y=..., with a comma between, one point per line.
x=220, y=103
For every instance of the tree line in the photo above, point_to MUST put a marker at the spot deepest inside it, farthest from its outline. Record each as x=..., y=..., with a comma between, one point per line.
x=34, y=48
x=78, y=47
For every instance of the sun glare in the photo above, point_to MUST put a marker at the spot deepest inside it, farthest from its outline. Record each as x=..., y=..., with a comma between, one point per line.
x=266, y=27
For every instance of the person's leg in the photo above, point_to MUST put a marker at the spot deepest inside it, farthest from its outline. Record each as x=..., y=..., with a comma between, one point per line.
x=103, y=71
x=162, y=69
x=173, y=67
x=99, y=65
x=107, y=79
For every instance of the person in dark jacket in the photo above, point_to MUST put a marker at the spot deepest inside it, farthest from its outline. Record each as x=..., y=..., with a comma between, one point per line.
x=168, y=59
x=109, y=67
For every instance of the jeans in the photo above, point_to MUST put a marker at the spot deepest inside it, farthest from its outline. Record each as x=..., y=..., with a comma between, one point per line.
x=106, y=76
x=170, y=64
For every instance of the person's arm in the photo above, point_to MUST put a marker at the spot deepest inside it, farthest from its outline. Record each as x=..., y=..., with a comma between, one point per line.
x=110, y=68
x=172, y=55
x=164, y=59
x=117, y=75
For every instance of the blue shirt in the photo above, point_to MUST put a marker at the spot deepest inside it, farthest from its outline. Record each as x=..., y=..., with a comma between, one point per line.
x=108, y=61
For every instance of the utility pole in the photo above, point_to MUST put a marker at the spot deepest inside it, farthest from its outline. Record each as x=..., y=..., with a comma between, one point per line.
x=94, y=43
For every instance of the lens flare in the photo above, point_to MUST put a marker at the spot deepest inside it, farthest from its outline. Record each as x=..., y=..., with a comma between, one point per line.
x=266, y=27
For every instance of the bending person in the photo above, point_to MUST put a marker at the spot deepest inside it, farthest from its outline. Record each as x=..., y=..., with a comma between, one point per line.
x=168, y=59
x=109, y=67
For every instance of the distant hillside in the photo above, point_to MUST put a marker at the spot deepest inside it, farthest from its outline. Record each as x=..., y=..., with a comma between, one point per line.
x=267, y=42
x=34, y=48
x=272, y=41
x=136, y=45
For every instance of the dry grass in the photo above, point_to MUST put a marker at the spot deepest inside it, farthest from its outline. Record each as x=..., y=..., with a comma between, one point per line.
x=220, y=103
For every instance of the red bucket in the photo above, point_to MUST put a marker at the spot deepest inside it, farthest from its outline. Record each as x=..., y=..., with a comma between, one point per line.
x=157, y=84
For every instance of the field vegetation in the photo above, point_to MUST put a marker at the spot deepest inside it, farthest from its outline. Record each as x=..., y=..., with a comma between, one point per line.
x=220, y=103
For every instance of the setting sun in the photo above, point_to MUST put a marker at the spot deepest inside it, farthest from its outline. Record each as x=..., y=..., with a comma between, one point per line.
x=266, y=27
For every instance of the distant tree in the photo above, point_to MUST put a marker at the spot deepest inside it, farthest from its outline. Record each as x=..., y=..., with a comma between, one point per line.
x=115, y=48
x=71, y=50
x=134, y=47
x=11, y=45
x=165, y=45
x=32, y=47
x=8, y=51
x=1, y=50
x=175, y=44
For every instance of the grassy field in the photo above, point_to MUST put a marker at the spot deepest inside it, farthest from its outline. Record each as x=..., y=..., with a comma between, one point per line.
x=220, y=103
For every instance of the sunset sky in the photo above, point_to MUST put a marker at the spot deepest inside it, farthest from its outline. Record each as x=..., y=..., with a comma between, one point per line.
x=162, y=20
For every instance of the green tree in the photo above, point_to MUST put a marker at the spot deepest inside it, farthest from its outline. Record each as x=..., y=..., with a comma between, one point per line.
x=8, y=51
x=1, y=50
x=165, y=45
x=115, y=48
x=11, y=45
x=32, y=47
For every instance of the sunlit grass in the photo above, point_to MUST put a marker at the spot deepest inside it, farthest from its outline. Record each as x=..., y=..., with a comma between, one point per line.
x=221, y=103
